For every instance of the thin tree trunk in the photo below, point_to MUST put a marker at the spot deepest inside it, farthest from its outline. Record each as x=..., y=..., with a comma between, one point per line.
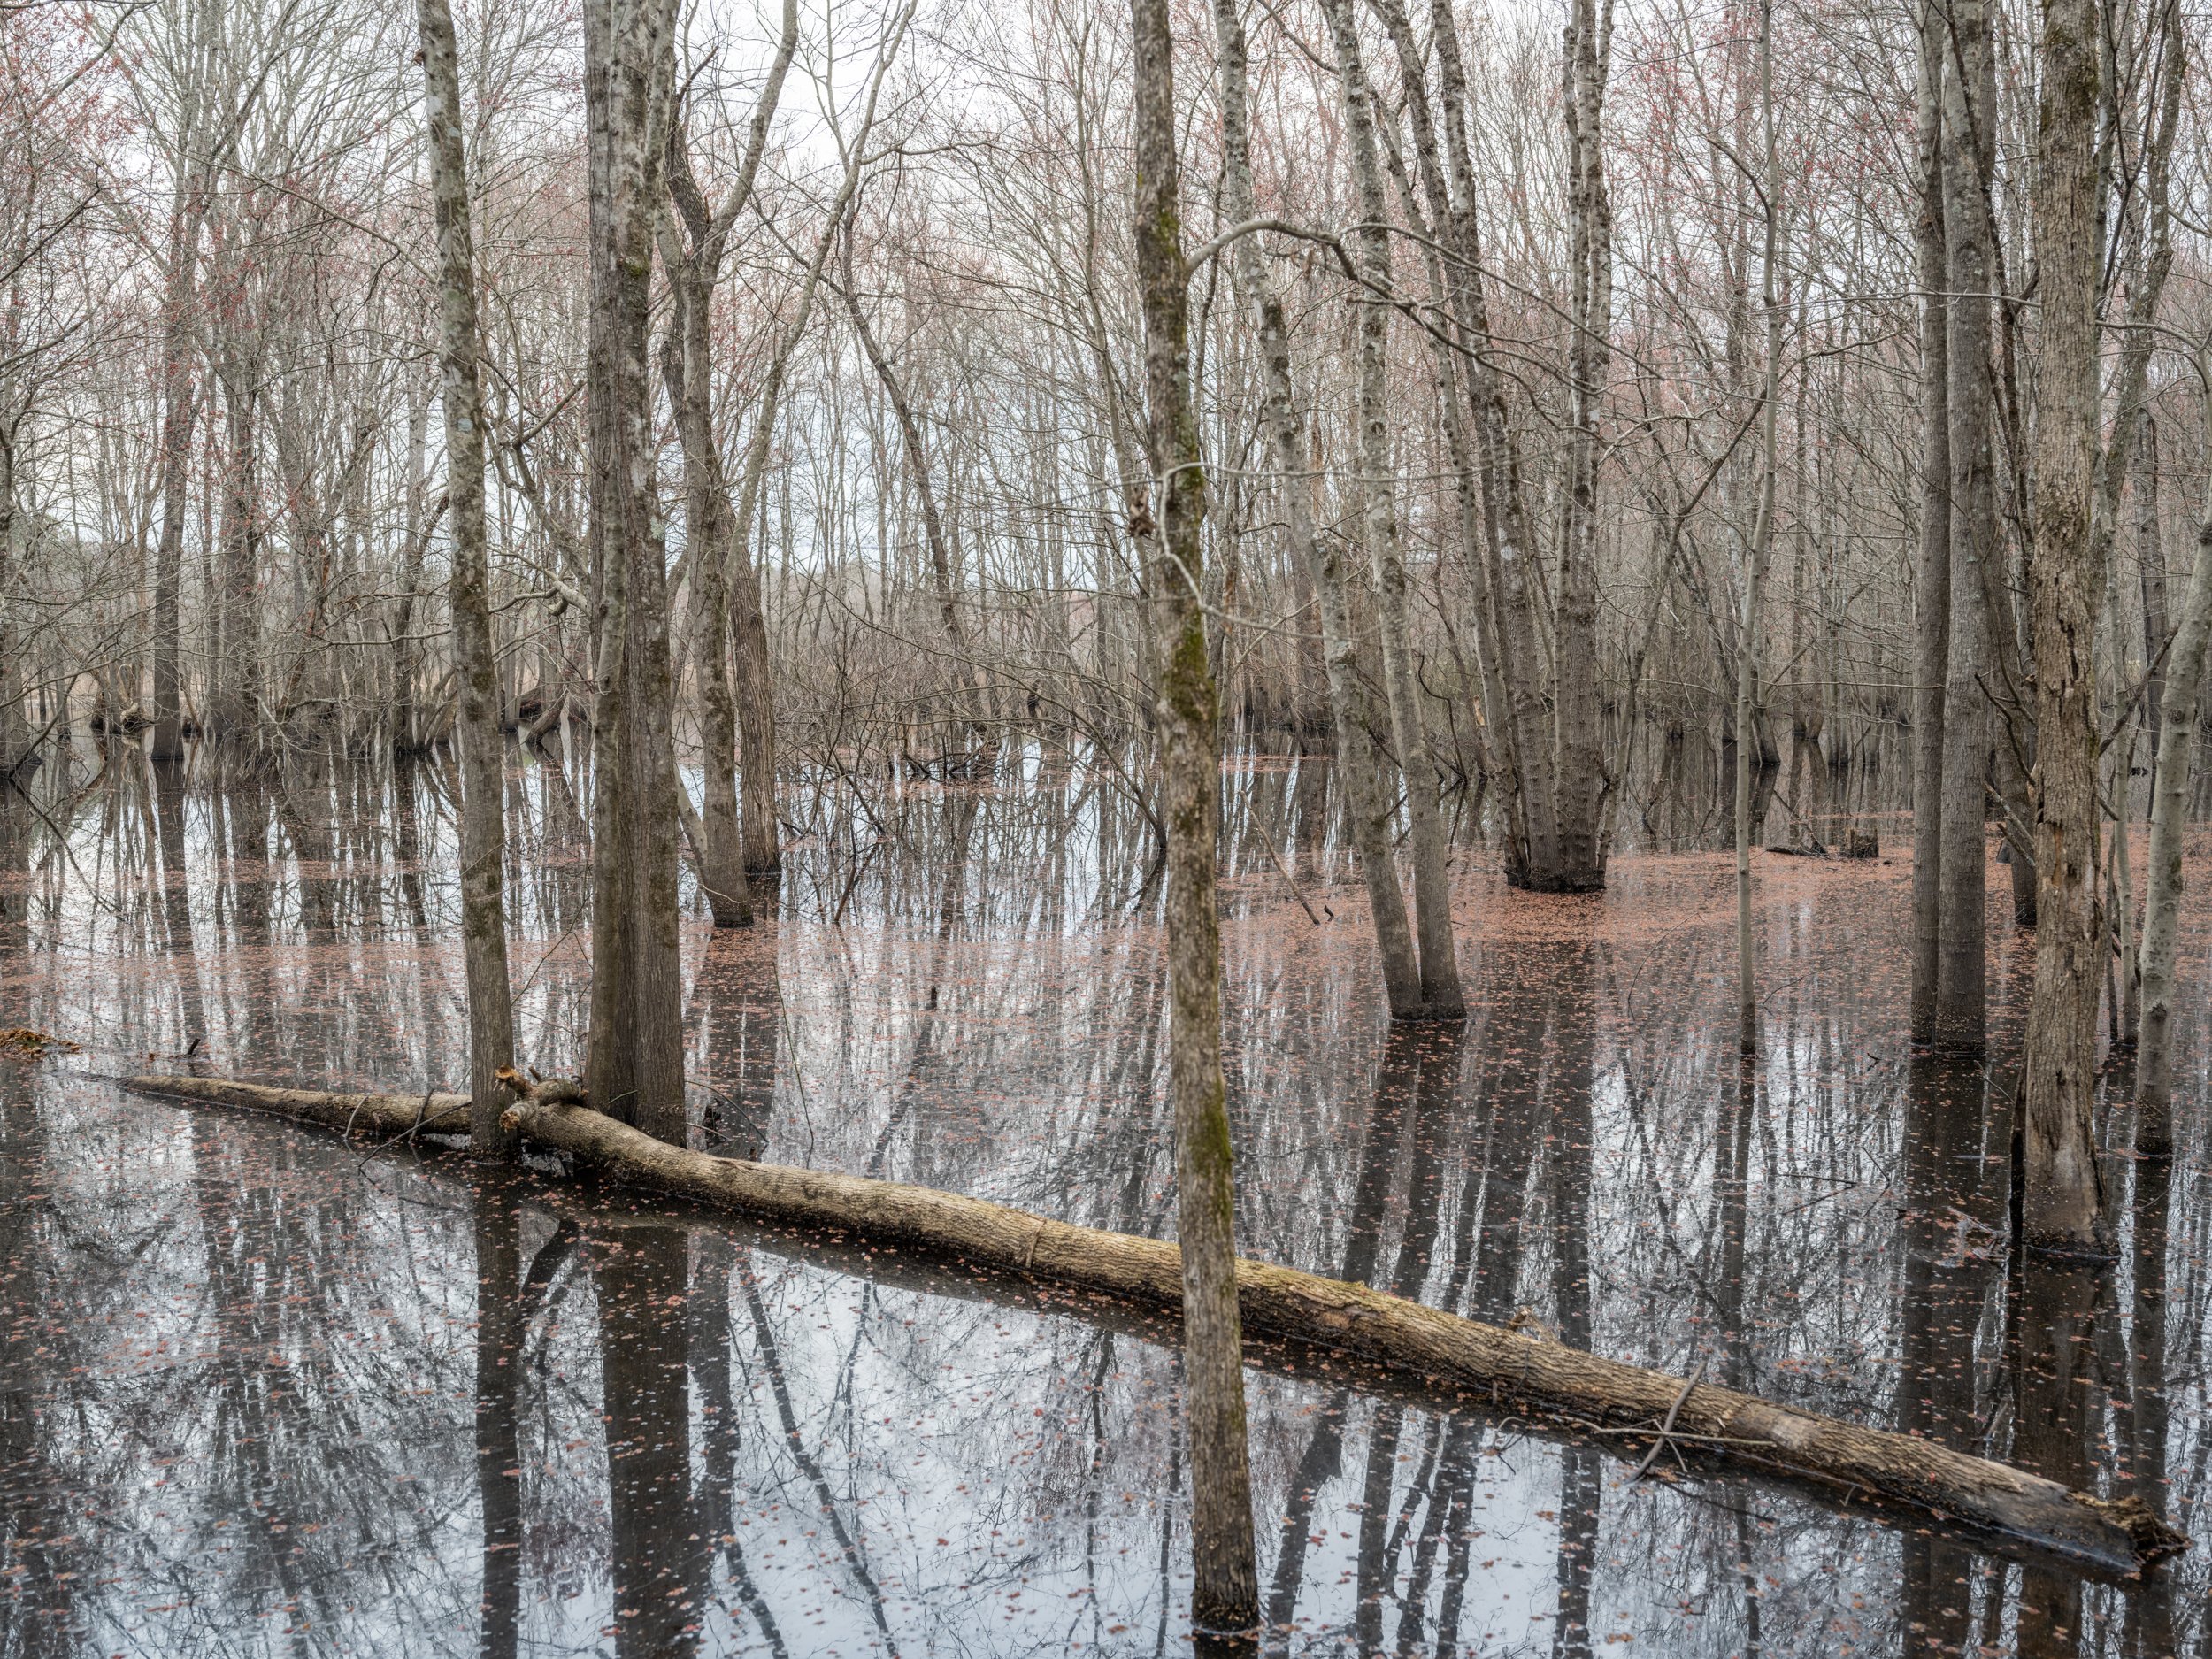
x=1969, y=738
x=1579, y=694
x=1761, y=549
x=483, y=772
x=686, y=368
x=1442, y=997
x=236, y=685
x=2064, y=1205
x=1357, y=765
x=1507, y=539
x=180, y=403
x=2150, y=557
x=1225, y=1593
x=727, y=719
x=756, y=699
x=2161, y=875
x=967, y=667
x=1931, y=597
x=15, y=731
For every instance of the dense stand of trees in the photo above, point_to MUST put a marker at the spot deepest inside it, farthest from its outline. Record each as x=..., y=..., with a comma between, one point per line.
x=1529, y=411
x=891, y=376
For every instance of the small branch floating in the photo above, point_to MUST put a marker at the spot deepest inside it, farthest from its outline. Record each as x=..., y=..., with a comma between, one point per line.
x=1498, y=1367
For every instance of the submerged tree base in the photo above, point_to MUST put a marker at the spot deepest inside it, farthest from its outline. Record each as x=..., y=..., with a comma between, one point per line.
x=1499, y=1368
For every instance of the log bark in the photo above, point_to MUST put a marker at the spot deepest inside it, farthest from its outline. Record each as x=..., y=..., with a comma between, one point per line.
x=1397, y=1339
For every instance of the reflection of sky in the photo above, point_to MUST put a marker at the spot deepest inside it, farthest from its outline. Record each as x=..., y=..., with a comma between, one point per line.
x=963, y=991
x=291, y=1470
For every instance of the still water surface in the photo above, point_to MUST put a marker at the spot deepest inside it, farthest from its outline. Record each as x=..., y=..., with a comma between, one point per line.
x=263, y=1392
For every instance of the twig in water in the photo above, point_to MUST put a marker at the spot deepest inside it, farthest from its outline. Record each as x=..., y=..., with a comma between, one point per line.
x=1666, y=1429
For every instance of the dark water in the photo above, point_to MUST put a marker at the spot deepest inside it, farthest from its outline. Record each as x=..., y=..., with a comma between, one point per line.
x=265, y=1392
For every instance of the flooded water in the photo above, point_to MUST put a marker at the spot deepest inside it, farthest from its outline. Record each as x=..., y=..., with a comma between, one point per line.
x=265, y=1391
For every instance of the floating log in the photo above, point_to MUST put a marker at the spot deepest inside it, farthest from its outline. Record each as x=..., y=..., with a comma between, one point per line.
x=1500, y=1369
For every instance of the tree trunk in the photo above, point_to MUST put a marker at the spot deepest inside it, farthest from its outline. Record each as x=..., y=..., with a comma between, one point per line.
x=1579, y=690
x=1969, y=738
x=716, y=540
x=2150, y=559
x=1762, y=549
x=756, y=698
x=1357, y=765
x=15, y=731
x=1931, y=596
x=483, y=770
x=686, y=367
x=1450, y=279
x=235, y=691
x=2161, y=875
x=1536, y=861
x=1442, y=997
x=2064, y=1205
x=634, y=1057
x=180, y=404
x=1225, y=1594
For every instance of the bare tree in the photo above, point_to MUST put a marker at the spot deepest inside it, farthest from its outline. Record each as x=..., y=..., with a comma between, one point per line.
x=636, y=1061
x=1970, y=737
x=1931, y=572
x=1439, y=960
x=2065, y=1197
x=2182, y=719
x=483, y=746
x=1225, y=1594
x=694, y=264
x=1761, y=549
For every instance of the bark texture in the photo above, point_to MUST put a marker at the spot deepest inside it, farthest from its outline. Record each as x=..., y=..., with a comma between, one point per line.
x=693, y=258
x=2179, y=719
x=1932, y=594
x=2064, y=1203
x=482, y=743
x=1970, y=737
x=1441, y=996
x=1578, y=688
x=1225, y=1593
x=634, y=1058
x=1358, y=763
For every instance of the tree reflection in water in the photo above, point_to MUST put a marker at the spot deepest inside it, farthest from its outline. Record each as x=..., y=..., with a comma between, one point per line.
x=262, y=1392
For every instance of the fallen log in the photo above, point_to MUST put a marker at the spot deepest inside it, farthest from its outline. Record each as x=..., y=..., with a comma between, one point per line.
x=1500, y=1369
